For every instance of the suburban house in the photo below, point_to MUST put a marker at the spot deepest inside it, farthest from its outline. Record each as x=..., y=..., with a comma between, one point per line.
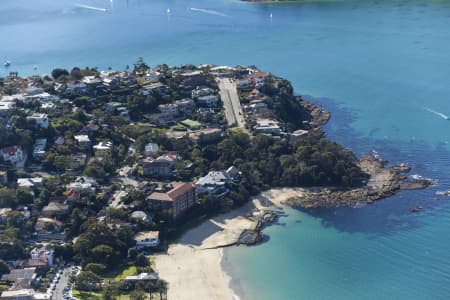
x=162, y=118
x=147, y=239
x=83, y=140
x=55, y=209
x=21, y=294
x=268, y=126
x=177, y=198
x=205, y=135
x=151, y=149
x=214, y=183
x=258, y=78
x=43, y=253
x=77, y=160
x=3, y=177
x=12, y=154
x=142, y=277
x=41, y=120
x=169, y=108
x=39, y=149
x=158, y=167
x=208, y=101
x=4, y=214
x=24, y=278
x=6, y=108
x=41, y=259
x=200, y=92
x=83, y=184
x=49, y=229
x=60, y=140
x=185, y=106
x=154, y=88
x=140, y=215
x=48, y=106
x=103, y=149
x=29, y=183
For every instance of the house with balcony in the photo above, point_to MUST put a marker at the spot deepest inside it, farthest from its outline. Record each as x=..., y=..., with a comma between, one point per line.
x=146, y=239
x=176, y=199
x=39, y=149
x=13, y=154
x=103, y=149
x=40, y=120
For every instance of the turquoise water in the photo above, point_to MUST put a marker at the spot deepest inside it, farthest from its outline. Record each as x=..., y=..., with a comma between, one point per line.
x=378, y=66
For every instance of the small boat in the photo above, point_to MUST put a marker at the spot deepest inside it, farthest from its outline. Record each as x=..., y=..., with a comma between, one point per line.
x=168, y=11
x=416, y=209
x=270, y=16
x=7, y=63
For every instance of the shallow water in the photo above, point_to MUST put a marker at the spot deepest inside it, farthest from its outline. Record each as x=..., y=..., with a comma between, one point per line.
x=378, y=66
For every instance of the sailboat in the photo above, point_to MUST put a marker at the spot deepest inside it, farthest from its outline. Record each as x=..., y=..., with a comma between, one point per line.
x=270, y=16
x=168, y=11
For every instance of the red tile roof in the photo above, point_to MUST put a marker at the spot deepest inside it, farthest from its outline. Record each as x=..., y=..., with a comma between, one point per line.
x=10, y=150
x=178, y=189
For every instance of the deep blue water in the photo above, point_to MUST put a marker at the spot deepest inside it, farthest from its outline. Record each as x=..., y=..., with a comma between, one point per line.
x=378, y=66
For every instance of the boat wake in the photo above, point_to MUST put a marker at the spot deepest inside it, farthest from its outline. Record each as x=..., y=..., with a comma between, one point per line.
x=210, y=12
x=443, y=116
x=92, y=7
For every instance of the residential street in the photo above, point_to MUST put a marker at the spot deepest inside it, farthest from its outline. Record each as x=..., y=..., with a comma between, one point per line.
x=231, y=103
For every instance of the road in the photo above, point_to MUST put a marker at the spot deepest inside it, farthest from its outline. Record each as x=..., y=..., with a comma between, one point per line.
x=231, y=103
x=62, y=283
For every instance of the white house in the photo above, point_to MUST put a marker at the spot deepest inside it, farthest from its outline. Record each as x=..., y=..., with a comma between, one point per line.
x=12, y=154
x=41, y=120
x=29, y=183
x=83, y=184
x=147, y=239
x=103, y=149
x=169, y=108
x=208, y=101
x=213, y=183
x=83, y=140
x=6, y=107
x=185, y=106
x=43, y=254
x=151, y=149
x=39, y=149
x=268, y=126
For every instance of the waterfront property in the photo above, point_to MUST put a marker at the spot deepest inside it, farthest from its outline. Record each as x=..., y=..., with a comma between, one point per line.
x=147, y=239
x=177, y=198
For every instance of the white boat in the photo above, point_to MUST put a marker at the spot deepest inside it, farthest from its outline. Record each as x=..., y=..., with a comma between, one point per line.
x=168, y=11
x=270, y=16
x=7, y=63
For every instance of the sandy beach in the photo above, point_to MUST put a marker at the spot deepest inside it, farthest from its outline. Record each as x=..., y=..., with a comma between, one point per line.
x=192, y=266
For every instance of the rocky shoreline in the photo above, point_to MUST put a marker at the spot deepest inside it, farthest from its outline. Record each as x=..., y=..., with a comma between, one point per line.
x=383, y=182
x=319, y=116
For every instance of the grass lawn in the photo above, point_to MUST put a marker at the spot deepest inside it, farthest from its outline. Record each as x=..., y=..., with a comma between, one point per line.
x=131, y=270
x=86, y=295
x=191, y=123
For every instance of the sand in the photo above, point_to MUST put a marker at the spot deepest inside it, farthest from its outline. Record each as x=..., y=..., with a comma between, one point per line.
x=192, y=266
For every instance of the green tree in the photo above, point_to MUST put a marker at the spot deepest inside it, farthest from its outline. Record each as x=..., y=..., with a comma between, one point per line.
x=137, y=295
x=88, y=281
x=7, y=198
x=4, y=267
x=57, y=73
x=95, y=268
x=76, y=74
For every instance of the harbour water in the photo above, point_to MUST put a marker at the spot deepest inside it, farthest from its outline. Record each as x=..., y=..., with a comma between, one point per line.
x=380, y=67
